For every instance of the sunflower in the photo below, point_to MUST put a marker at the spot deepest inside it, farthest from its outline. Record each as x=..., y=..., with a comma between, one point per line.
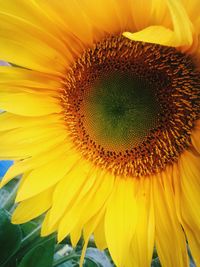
x=102, y=119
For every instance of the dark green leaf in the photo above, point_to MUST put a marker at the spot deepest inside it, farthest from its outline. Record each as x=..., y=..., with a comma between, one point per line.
x=41, y=255
x=28, y=227
x=10, y=237
x=91, y=263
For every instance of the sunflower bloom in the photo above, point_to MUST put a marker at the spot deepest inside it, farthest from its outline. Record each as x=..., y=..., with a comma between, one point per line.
x=102, y=119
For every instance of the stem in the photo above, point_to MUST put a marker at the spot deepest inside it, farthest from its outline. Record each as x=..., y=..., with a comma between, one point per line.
x=10, y=201
x=64, y=259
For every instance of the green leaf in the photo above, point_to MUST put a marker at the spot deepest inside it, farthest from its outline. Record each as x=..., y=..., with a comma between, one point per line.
x=90, y=263
x=28, y=227
x=41, y=255
x=10, y=237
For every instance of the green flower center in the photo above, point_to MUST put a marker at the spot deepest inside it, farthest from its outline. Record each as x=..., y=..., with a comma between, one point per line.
x=120, y=110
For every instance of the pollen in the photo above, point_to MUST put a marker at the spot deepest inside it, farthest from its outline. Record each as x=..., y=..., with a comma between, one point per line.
x=130, y=106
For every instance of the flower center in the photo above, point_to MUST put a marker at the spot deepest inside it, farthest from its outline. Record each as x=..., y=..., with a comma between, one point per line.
x=120, y=110
x=130, y=106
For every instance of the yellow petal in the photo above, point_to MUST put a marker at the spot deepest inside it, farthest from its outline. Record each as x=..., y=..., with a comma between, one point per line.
x=23, y=151
x=17, y=88
x=75, y=235
x=190, y=184
x=120, y=220
x=99, y=234
x=104, y=186
x=39, y=50
x=9, y=121
x=78, y=214
x=45, y=176
x=183, y=28
x=103, y=15
x=26, y=104
x=24, y=139
x=30, y=11
x=45, y=230
x=153, y=34
x=182, y=34
x=74, y=185
x=22, y=143
x=141, y=13
x=89, y=218
x=62, y=15
x=171, y=251
x=88, y=230
x=28, y=135
x=22, y=166
x=189, y=199
x=26, y=77
x=32, y=207
x=143, y=239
